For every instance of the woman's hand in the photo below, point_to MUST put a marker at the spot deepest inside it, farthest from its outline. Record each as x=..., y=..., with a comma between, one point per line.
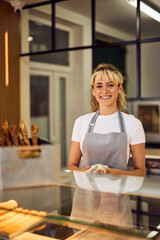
x=84, y=169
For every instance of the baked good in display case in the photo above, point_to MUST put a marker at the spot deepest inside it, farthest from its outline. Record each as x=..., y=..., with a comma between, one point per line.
x=14, y=136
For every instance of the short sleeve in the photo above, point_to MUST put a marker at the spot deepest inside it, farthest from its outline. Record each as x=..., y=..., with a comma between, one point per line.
x=76, y=131
x=137, y=135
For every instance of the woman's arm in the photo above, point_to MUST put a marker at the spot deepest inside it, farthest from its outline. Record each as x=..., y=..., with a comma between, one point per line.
x=75, y=157
x=138, y=157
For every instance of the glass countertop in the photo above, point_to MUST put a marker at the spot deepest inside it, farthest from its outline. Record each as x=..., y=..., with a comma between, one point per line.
x=117, y=203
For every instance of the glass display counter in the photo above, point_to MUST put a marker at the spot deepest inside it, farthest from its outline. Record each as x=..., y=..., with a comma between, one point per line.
x=86, y=206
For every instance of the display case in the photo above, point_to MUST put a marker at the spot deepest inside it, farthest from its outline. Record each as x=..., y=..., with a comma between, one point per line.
x=84, y=206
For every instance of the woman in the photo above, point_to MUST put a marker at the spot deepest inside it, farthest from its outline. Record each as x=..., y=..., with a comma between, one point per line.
x=108, y=135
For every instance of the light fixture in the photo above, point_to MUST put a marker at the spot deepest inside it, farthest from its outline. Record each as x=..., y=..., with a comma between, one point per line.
x=30, y=38
x=152, y=234
x=146, y=9
x=6, y=60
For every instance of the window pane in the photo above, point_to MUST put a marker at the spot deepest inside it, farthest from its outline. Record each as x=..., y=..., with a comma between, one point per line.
x=150, y=27
x=115, y=20
x=76, y=16
x=60, y=58
x=131, y=72
x=114, y=55
x=36, y=29
x=124, y=58
x=40, y=37
x=150, y=70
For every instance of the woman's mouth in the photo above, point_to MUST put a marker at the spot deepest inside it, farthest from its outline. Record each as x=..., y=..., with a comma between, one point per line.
x=105, y=97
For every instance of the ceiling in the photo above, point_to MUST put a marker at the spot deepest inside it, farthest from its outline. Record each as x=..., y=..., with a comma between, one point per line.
x=117, y=14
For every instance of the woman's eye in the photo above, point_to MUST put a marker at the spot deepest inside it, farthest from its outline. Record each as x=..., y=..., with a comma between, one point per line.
x=99, y=86
x=110, y=85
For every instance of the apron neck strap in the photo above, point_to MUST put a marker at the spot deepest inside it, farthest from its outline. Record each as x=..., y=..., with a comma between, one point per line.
x=94, y=118
x=121, y=122
x=92, y=122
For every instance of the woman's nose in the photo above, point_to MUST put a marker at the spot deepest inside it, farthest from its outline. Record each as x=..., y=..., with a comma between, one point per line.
x=105, y=89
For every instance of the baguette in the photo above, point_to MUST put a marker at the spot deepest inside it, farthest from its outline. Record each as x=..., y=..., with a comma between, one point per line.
x=14, y=135
x=5, y=129
x=20, y=140
x=23, y=130
x=11, y=204
x=2, y=138
x=34, y=131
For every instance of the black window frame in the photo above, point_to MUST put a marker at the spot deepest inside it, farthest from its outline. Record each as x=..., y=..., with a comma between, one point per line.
x=137, y=42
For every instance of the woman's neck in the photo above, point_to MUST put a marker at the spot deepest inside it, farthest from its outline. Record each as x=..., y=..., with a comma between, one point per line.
x=107, y=111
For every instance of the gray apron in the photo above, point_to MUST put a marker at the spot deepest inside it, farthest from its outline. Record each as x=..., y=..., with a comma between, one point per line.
x=109, y=149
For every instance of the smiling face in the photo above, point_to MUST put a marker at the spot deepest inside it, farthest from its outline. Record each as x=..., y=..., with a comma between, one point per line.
x=106, y=91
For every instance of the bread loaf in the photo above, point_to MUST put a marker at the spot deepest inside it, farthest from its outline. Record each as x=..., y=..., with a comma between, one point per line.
x=5, y=129
x=2, y=138
x=34, y=131
x=23, y=130
x=14, y=135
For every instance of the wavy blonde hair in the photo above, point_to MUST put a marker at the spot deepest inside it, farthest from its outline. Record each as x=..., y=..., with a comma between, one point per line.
x=108, y=70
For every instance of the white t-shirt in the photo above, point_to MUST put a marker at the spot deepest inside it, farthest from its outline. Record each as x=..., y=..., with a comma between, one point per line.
x=109, y=123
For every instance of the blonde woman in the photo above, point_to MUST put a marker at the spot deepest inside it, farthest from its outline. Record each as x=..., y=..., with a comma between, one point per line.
x=107, y=136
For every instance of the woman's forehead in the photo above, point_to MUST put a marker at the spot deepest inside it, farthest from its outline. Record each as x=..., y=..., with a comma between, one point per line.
x=103, y=77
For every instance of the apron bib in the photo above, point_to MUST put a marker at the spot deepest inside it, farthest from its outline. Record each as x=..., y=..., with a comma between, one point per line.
x=108, y=149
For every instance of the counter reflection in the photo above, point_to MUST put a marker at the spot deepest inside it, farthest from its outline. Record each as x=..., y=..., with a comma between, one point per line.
x=108, y=201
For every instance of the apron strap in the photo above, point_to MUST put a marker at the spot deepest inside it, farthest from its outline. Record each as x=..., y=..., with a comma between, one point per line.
x=94, y=118
x=92, y=122
x=121, y=122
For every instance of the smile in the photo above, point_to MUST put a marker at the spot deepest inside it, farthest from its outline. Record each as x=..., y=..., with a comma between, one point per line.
x=106, y=97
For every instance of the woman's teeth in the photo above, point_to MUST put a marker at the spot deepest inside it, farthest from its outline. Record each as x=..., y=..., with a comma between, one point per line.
x=106, y=97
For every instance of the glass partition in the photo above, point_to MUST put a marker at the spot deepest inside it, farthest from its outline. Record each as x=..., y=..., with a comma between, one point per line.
x=150, y=70
x=76, y=19
x=150, y=20
x=119, y=28
x=131, y=71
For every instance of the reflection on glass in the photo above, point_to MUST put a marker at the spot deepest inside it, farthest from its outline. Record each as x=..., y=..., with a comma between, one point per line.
x=150, y=70
x=108, y=183
x=39, y=90
x=113, y=23
x=106, y=203
x=41, y=40
x=39, y=37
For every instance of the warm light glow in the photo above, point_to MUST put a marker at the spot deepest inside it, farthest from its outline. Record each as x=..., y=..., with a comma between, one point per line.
x=146, y=9
x=6, y=60
x=152, y=234
x=30, y=38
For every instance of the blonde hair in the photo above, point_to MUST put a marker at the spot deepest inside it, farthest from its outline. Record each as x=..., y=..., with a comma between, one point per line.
x=108, y=70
